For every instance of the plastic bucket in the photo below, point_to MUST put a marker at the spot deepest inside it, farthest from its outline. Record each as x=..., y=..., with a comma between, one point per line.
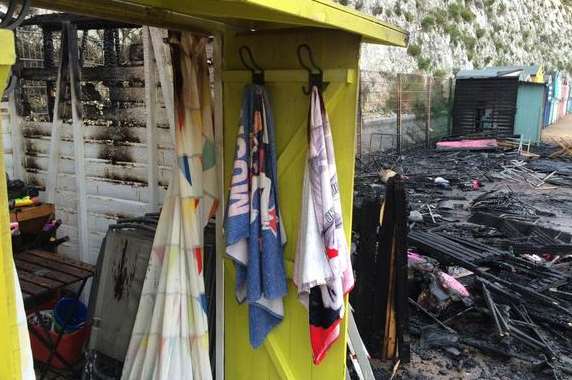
x=70, y=347
x=71, y=312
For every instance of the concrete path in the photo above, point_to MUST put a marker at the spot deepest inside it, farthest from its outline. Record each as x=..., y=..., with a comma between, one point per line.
x=559, y=130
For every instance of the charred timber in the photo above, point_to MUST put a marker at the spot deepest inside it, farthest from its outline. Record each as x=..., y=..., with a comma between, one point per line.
x=90, y=74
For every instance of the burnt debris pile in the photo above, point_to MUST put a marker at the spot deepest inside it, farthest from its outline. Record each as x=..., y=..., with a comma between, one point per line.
x=489, y=252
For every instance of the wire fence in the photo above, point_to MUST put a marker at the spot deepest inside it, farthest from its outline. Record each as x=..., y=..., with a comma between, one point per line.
x=402, y=111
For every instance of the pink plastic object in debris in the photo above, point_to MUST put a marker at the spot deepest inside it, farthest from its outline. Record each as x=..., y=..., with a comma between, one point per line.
x=476, y=184
x=413, y=257
x=450, y=284
x=467, y=144
x=419, y=262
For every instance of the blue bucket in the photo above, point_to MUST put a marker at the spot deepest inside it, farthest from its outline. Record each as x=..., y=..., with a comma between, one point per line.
x=72, y=311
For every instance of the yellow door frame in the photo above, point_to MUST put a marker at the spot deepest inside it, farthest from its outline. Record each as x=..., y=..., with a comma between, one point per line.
x=10, y=369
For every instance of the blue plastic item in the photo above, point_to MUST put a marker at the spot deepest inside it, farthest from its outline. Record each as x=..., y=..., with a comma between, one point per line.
x=72, y=311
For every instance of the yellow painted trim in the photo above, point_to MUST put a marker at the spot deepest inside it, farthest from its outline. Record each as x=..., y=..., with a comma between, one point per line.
x=135, y=13
x=339, y=16
x=539, y=77
x=7, y=52
x=245, y=14
x=10, y=369
x=336, y=75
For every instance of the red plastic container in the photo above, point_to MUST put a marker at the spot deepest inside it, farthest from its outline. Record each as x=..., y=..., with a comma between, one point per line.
x=70, y=347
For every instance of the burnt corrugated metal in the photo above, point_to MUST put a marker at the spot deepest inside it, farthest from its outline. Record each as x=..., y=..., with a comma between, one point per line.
x=485, y=106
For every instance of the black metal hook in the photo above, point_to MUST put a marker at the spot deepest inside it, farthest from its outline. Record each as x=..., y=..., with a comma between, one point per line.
x=9, y=22
x=9, y=13
x=314, y=78
x=255, y=69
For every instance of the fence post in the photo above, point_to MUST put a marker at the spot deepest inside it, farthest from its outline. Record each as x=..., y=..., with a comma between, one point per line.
x=151, y=122
x=428, y=112
x=398, y=138
x=450, y=108
x=78, y=139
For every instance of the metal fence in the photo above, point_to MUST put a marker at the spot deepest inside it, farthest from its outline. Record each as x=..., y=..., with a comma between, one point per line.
x=402, y=111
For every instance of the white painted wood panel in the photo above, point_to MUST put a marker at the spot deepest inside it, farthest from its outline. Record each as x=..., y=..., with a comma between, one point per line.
x=124, y=152
x=130, y=173
x=116, y=165
x=6, y=138
x=136, y=133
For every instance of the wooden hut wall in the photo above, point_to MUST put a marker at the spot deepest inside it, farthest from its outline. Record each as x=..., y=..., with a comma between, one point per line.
x=116, y=152
x=485, y=105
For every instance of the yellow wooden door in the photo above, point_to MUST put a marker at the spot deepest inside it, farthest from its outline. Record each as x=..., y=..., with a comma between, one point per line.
x=286, y=353
x=10, y=369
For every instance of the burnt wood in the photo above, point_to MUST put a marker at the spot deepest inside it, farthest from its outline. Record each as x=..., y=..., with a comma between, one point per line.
x=475, y=98
x=88, y=74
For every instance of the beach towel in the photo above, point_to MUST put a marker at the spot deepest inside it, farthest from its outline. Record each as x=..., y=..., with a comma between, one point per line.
x=253, y=229
x=170, y=335
x=322, y=269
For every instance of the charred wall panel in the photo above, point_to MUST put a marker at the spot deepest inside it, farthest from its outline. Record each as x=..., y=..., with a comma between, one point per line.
x=485, y=106
x=115, y=137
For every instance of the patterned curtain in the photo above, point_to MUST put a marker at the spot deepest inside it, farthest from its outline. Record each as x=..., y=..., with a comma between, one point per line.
x=170, y=335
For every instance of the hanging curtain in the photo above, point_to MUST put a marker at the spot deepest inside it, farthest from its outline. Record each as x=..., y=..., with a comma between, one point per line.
x=170, y=336
x=322, y=269
x=254, y=232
